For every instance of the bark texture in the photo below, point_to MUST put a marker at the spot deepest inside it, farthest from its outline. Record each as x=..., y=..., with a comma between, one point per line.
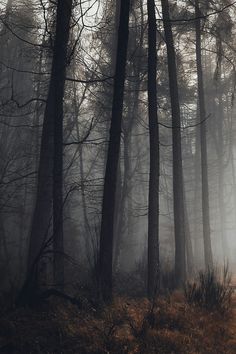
x=108, y=205
x=178, y=188
x=51, y=154
x=203, y=139
x=153, y=199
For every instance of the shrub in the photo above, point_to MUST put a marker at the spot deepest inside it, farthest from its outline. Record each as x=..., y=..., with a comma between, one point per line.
x=210, y=291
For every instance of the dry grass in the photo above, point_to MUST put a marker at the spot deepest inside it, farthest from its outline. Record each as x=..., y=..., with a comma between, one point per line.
x=232, y=327
x=127, y=326
x=211, y=290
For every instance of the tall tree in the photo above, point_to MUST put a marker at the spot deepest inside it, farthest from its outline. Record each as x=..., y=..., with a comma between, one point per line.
x=153, y=203
x=203, y=139
x=50, y=163
x=108, y=205
x=131, y=101
x=57, y=85
x=178, y=186
x=16, y=143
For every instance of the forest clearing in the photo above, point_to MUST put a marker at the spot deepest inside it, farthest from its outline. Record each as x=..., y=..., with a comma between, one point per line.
x=117, y=176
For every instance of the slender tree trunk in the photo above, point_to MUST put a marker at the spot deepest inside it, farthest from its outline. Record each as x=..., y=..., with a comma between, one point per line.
x=154, y=173
x=116, y=236
x=132, y=100
x=118, y=217
x=203, y=136
x=221, y=196
x=5, y=256
x=80, y=150
x=120, y=225
x=220, y=151
x=197, y=202
x=114, y=39
x=42, y=211
x=178, y=188
x=189, y=248
x=38, y=109
x=64, y=11
x=108, y=205
x=50, y=163
x=22, y=224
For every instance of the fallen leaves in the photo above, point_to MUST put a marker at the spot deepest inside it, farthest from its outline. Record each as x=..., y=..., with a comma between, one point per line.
x=127, y=326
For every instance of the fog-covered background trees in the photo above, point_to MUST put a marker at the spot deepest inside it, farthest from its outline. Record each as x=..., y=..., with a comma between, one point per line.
x=117, y=142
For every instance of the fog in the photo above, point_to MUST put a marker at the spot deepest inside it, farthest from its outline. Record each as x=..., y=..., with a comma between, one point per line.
x=27, y=35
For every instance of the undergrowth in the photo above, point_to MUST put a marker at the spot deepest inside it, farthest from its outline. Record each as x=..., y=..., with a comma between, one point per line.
x=211, y=290
x=128, y=326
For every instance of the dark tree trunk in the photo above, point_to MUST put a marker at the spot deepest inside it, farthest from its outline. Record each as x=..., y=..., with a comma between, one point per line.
x=221, y=197
x=153, y=198
x=118, y=216
x=116, y=236
x=64, y=10
x=220, y=152
x=197, y=199
x=178, y=189
x=108, y=205
x=22, y=223
x=122, y=219
x=42, y=211
x=80, y=150
x=5, y=257
x=50, y=163
x=203, y=136
x=188, y=240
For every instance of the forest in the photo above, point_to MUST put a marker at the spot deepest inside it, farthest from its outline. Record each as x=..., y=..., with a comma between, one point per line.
x=117, y=176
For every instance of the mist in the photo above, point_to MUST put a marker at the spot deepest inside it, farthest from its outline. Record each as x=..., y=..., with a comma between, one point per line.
x=117, y=146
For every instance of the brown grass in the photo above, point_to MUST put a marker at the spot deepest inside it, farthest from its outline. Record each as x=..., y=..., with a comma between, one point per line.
x=127, y=326
x=232, y=327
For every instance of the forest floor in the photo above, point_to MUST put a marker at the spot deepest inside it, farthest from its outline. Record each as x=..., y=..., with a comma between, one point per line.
x=127, y=326
x=232, y=323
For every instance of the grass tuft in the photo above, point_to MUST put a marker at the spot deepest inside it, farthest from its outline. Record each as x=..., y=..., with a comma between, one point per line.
x=211, y=291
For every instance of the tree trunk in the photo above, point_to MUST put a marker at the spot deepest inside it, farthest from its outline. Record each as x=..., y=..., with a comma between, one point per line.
x=154, y=173
x=121, y=221
x=118, y=216
x=197, y=202
x=116, y=236
x=64, y=11
x=50, y=163
x=188, y=241
x=220, y=152
x=178, y=189
x=203, y=136
x=108, y=205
